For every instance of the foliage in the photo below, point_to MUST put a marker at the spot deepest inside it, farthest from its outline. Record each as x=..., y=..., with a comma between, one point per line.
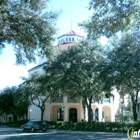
x=12, y=102
x=28, y=25
x=16, y=123
x=38, y=89
x=77, y=74
x=111, y=16
x=96, y=126
x=21, y=103
x=122, y=67
x=126, y=115
x=6, y=101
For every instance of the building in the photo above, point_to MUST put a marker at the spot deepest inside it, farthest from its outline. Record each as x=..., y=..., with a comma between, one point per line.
x=65, y=108
x=138, y=107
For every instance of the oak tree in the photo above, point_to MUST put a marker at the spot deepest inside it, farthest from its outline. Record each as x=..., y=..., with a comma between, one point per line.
x=77, y=74
x=28, y=26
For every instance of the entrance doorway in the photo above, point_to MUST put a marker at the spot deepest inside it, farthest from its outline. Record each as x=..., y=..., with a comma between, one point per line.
x=73, y=114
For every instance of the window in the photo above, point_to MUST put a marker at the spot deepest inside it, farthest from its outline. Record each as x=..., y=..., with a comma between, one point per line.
x=60, y=114
x=57, y=100
x=69, y=39
x=66, y=39
x=72, y=39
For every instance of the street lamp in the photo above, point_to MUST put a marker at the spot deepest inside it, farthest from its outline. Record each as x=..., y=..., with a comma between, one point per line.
x=122, y=105
x=29, y=113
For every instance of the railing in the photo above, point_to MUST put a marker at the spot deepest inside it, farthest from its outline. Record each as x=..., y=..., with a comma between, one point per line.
x=57, y=100
x=70, y=100
x=106, y=100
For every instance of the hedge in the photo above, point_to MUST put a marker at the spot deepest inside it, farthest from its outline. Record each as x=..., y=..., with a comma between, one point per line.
x=96, y=126
x=83, y=126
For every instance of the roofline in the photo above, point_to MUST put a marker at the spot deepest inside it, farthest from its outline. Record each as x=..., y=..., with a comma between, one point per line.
x=70, y=35
x=37, y=66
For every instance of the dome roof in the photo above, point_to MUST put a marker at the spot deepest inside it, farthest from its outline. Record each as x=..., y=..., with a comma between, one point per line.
x=71, y=33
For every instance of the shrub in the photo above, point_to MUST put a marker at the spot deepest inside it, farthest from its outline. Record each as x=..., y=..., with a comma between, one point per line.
x=16, y=123
x=97, y=126
x=83, y=126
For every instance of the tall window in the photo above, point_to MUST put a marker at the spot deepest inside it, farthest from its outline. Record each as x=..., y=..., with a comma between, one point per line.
x=66, y=39
x=72, y=39
x=69, y=39
x=60, y=114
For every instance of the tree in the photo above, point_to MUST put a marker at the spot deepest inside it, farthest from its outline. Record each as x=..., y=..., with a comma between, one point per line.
x=77, y=74
x=6, y=101
x=21, y=103
x=122, y=68
x=28, y=26
x=12, y=102
x=111, y=16
x=39, y=90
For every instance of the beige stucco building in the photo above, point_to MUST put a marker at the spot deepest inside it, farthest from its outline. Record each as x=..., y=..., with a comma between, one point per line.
x=66, y=109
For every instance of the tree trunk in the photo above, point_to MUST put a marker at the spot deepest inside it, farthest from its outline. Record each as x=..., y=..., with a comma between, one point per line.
x=134, y=108
x=15, y=118
x=89, y=112
x=6, y=117
x=42, y=113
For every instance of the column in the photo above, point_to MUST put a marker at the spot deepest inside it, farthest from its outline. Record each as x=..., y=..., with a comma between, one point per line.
x=93, y=115
x=66, y=114
x=65, y=108
x=112, y=110
x=100, y=113
x=86, y=113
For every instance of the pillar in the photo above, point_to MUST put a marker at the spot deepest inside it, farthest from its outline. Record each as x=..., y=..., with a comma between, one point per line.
x=112, y=110
x=66, y=114
x=100, y=113
x=86, y=113
x=93, y=115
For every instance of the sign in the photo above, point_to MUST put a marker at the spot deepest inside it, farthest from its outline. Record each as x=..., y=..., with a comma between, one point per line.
x=133, y=134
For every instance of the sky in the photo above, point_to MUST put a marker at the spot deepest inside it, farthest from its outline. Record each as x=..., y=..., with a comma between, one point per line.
x=72, y=13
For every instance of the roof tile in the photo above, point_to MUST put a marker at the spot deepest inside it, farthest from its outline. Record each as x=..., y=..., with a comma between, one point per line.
x=65, y=46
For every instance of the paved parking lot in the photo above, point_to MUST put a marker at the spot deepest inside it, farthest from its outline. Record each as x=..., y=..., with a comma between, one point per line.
x=16, y=134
